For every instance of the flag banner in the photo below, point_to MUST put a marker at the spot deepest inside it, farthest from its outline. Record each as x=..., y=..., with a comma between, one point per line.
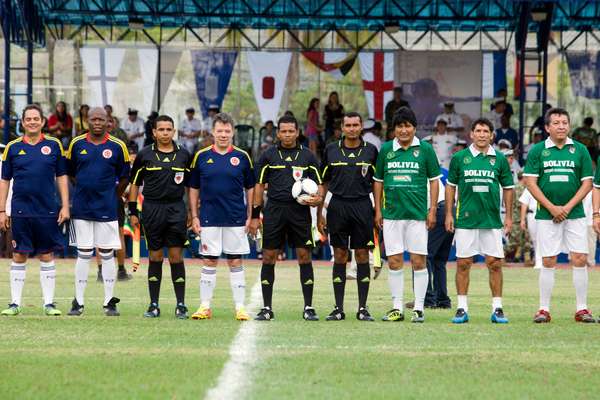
x=148, y=60
x=377, y=71
x=584, y=71
x=102, y=66
x=212, y=70
x=493, y=74
x=169, y=61
x=337, y=63
x=269, y=72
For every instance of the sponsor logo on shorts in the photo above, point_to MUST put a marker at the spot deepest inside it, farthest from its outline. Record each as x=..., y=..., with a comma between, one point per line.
x=46, y=150
x=107, y=153
x=178, y=177
x=234, y=161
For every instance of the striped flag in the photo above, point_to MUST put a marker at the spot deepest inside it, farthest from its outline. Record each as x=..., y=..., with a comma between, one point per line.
x=336, y=63
x=493, y=73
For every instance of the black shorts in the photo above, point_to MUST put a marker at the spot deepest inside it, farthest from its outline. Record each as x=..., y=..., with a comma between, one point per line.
x=165, y=225
x=121, y=213
x=289, y=222
x=350, y=218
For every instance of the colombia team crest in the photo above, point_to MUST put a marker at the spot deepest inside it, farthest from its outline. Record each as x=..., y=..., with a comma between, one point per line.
x=107, y=153
x=297, y=173
x=234, y=161
x=46, y=150
x=178, y=177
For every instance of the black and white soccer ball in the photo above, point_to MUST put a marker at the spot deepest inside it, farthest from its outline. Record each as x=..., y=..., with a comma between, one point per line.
x=303, y=189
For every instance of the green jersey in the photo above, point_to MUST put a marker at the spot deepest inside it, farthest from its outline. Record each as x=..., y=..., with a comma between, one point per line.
x=560, y=173
x=597, y=174
x=479, y=177
x=404, y=174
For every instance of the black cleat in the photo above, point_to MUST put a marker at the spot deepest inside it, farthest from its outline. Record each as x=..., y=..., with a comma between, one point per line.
x=265, y=314
x=363, y=315
x=418, y=317
x=310, y=314
x=181, y=311
x=153, y=311
x=110, y=310
x=122, y=275
x=76, y=308
x=336, y=315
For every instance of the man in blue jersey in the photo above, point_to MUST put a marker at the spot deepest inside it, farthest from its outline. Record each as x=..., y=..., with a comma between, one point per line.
x=99, y=165
x=223, y=178
x=163, y=169
x=35, y=163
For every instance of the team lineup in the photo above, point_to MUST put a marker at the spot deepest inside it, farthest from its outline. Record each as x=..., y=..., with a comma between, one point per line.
x=394, y=194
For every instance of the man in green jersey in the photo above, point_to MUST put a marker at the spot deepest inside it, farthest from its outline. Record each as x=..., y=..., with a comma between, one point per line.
x=404, y=166
x=478, y=172
x=558, y=174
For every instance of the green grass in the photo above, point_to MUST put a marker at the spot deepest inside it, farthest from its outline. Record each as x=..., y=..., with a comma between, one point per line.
x=130, y=357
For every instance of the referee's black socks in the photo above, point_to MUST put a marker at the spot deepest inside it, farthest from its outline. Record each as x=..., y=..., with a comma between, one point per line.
x=178, y=278
x=363, y=279
x=339, y=284
x=154, y=279
x=307, y=279
x=267, y=277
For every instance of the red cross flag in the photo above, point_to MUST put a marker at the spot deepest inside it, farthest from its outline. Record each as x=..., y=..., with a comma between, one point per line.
x=377, y=71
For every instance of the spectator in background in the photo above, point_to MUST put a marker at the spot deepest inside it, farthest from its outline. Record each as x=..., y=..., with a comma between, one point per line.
x=60, y=124
x=334, y=112
x=538, y=136
x=369, y=133
x=503, y=94
x=113, y=129
x=134, y=127
x=190, y=129
x=81, y=122
x=207, y=124
x=109, y=113
x=454, y=121
x=267, y=135
x=539, y=123
x=313, y=129
x=392, y=106
x=495, y=115
x=148, y=126
x=443, y=142
x=587, y=136
x=337, y=134
x=506, y=132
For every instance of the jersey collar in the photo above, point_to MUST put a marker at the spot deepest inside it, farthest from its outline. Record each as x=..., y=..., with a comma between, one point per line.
x=396, y=144
x=475, y=152
x=26, y=139
x=89, y=140
x=549, y=143
x=175, y=146
x=298, y=147
x=214, y=149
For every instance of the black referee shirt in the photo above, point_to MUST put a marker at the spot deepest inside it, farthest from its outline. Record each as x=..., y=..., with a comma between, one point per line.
x=349, y=172
x=163, y=175
x=280, y=168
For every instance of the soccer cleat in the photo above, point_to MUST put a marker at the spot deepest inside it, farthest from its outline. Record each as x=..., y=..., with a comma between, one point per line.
x=110, y=309
x=241, y=314
x=542, y=317
x=584, y=316
x=393, y=315
x=181, y=311
x=364, y=315
x=13, y=309
x=122, y=275
x=336, y=315
x=418, y=317
x=498, y=317
x=265, y=314
x=76, y=308
x=202, y=313
x=153, y=311
x=461, y=317
x=51, y=311
x=310, y=314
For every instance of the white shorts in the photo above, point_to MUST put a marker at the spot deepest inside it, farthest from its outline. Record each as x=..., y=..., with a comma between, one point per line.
x=231, y=240
x=470, y=242
x=569, y=236
x=404, y=235
x=91, y=234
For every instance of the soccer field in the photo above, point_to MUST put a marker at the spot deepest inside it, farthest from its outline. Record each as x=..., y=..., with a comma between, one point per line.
x=132, y=357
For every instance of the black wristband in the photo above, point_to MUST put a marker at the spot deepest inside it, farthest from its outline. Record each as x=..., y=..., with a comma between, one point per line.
x=256, y=211
x=132, y=206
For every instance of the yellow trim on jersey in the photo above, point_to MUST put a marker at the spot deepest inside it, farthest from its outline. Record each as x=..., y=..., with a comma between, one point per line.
x=123, y=147
x=325, y=171
x=317, y=172
x=262, y=173
x=204, y=150
x=135, y=178
x=153, y=168
x=75, y=140
x=336, y=164
x=60, y=146
x=5, y=154
x=457, y=209
x=247, y=155
x=177, y=169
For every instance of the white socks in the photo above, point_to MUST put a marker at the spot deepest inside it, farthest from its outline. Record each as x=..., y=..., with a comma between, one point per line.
x=48, y=280
x=580, y=282
x=421, y=279
x=462, y=302
x=396, y=282
x=17, y=281
x=109, y=274
x=238, y=285
x=496, y=303
x=82, y=269
x=546, y=285
x=208, y=281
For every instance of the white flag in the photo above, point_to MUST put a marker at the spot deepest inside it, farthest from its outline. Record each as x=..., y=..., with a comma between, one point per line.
x=269, y=77
x=148, y=59
x=102, y=66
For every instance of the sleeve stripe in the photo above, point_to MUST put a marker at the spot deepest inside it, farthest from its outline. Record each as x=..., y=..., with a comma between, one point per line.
x=135, y=178
x=587, y=177
x=75, y=140
x=62, y=151
x=377, y=179
x=123, y=147
x=317, y=172
x=5, y=154
x=450, y=183
x=530, y=175
x=508, y=187
x=195, y=160
x=596, y=185
x=247, y=155
x=262, y=173
x=435, y=177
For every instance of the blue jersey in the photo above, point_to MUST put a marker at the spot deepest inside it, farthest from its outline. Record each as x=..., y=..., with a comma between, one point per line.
x=221, y=179
x=97, y=168
x=34, y=168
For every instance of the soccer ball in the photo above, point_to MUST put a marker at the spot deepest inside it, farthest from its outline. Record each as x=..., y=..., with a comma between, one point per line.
x=303, y=189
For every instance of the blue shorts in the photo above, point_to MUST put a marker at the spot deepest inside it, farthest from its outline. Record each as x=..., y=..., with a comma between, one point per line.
x=36, y=235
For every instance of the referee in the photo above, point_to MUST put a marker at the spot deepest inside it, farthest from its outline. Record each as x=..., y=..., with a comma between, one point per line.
x=279, y=167
x=348, y=168
x=163, y=169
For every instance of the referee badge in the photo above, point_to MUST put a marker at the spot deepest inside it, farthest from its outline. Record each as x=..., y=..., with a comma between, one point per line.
x=297, y=173
x=178, y=177
x=107, y=153
x=364, y=170
x=46, y=150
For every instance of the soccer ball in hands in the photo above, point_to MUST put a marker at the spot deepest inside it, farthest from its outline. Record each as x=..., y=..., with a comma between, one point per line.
x=304, y=189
